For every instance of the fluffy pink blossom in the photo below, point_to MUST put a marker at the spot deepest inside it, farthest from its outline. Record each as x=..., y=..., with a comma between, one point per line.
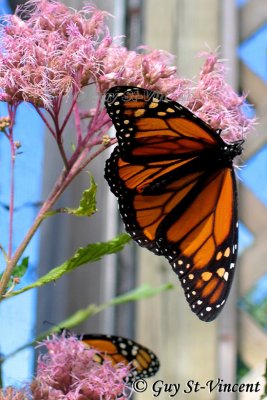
x=214, y=100
x=58, y=50
x=68, y=371
x=13, y=394
x=150, y=69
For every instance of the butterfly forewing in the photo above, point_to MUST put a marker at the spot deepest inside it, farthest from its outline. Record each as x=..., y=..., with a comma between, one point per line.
x=117, y=349
x=153, y=127
x=176, y=188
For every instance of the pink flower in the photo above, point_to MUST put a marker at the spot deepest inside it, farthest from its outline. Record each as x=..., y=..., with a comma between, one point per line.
x=68, y=371
x=53, y=52
x=152, y=70
x=210, y=97
x=214, y=100
x=13, y=394
x=58, y=51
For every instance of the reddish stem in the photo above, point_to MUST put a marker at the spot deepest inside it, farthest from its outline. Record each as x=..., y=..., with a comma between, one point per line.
x=57, y=134
x=92, y=123
x=62, y=183
x=85, y=162
x=49, y=127
x=77, y=121
x=74, y=101
x=74, y=166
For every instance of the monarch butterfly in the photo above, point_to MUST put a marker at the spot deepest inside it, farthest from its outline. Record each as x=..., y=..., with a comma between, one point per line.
x=175, y=182
x=118, y=349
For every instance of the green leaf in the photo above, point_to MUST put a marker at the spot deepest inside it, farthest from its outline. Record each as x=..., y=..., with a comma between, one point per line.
x=139, y=293
x=87, y=205
x=18, y=271
x=90, y=253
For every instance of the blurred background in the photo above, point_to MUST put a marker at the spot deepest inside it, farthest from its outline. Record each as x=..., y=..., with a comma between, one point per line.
x=234, y=347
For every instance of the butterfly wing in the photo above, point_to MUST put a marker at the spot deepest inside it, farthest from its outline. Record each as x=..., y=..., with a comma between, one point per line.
x=118, y=349
x=174, y=196
x=154, y=128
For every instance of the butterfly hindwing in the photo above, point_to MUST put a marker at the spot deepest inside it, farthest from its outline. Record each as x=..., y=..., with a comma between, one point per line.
x=117, y=349
x=176, y=188
x=207, y=254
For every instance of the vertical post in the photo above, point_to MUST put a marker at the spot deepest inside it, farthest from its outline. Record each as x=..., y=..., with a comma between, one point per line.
x=179, y=339
x=125, y=318
x=111, y=228
x=227, y=329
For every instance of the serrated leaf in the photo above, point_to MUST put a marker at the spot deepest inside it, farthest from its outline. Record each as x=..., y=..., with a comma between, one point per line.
x=87, y=205
x=139, y=293
x=90, y=253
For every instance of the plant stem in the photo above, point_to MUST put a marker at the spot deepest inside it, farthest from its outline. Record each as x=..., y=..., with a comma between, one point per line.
x=12, y=181
x=77, y=121
x=12, y=262
x=73, y=167
x=74, y=101
x=83, y=161
x=44, y=119
x=55, y=134
x=62, y=183
x=63, y=154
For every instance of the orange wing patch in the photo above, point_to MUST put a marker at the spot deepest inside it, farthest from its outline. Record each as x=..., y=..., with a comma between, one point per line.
x=154, y=125
x=117, y=349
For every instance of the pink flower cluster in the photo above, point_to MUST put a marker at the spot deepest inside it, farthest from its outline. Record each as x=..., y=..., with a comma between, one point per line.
x=13, y=394
x=214, y=100
x=68, y=371
x=58, y=50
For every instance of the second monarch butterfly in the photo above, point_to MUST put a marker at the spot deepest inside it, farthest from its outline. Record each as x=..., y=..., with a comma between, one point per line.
x=118, y=349
x=175, y=182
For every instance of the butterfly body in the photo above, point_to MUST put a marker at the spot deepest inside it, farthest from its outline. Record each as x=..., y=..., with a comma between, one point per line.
x=175, y=182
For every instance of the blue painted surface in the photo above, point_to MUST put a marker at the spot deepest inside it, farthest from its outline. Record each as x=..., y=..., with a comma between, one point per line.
x=4, y=7
x=241, y=3
x=17, y=315
x=254, y=174
x=253, y=52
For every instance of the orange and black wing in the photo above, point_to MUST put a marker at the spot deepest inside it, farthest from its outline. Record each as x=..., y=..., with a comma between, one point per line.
x=177, y=193
x=118, y=349
x=151, y=127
